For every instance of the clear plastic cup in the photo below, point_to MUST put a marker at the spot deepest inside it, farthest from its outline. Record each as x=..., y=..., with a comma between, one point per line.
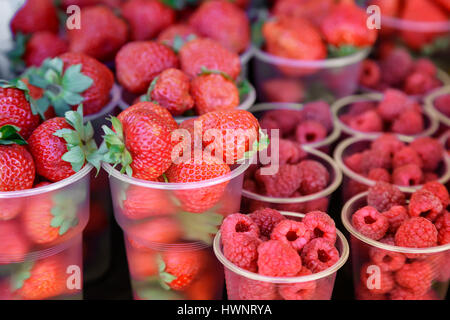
x=443, y=119
x=335, y=77
x=324, y=145
x=245, y=58
x=317, y=201
x=354, y=183
x=318, y=286
x=341, y=106
x=376, y=264
x=247, y=101
x=40, y=234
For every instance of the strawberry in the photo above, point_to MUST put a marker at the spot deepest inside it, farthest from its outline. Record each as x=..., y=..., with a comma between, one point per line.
x=43, y=45
x=147, y=18
x=17, y=168
x=388, y=8
x=314, y=10
x=138, y=63
x=207, y=286
x=133, y=112
x=61, y=146
x=210, y=54
x=102, y=34
x=34, y=16
x=283, y=90
x=10, y=208
x=214, y=91
x=445, y=4
x=156, y=230
x=345, y=25
x=176, y=33
x=13, y=245
x=80, y=3
x=224, y=22
x=142, y=264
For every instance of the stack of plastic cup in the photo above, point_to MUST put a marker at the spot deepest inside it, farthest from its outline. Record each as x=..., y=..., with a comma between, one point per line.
x=444, y=119
x=375, y=264
x=318, y=286
x=41, y=240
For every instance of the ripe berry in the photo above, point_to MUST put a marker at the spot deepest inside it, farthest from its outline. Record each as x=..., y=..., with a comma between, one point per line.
x=424, y=203
x=319, y=254
x=320, y=225
x=416, y=232
x=383, y=196
x=291, y=232
x=266, y=219
x=277, y=259
x=370, y=222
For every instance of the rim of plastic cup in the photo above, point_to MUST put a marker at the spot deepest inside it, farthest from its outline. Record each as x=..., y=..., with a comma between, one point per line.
x=180, y=247
x=247, y=102
x=338, y=105
x=419, y=26
x=113, y=102
x=345, y=217
x=444, y=138
x=323, y=193
x=429, y=104
x=330, y=138
x=258, y=277
x=324, y=63
x=246, y=55
x=51, y=187
x=339, y=151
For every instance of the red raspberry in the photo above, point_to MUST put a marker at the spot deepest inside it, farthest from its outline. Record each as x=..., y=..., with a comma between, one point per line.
x=387, y=260
x=286, y=120
x=425, y=65
x=250, y=185
x=362, y=293
x=396, y=66
x=314, y=177
x=400, y=293
x=320, y=225
x=256, y=290
x=383, y=196
x=369, y=121
x=266, y=219
x=238, y=223
x=418, y=83
x=387, y=142
x=379, y=174
x=416, y=232
x=369, y=222
x=394, y=103
x=406, y=155
x=372, y=159
x=407, y=175
x=292, y=207
x=442, y=225
x=360, y=107
x=370, y=74
x=442, y=104
x=410, y=122
x=320, y=204
x=439, y=190
x=277, y=259
x=429, y=150
x=319, y=254
x=415, y=277
x=429, y=176
x=310, y=131
x=353, y=162
x=319, y=111
x=241, y=250
x=424, y=203
x=291, y=232
x=375, y=285
x=396, y=215
x=282, y=184
x=299, y=291
x=288, y=152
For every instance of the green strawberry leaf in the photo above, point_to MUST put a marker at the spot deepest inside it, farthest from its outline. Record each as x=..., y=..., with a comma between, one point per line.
x=15, y=55
x=9, y=134
x=439, y=44
x=244, y=88
x=341, y=51
x=200, y=227
x=65, y=209
x=20, y=274
x=205, y=71
x=256, y=28
x=74, y=81
x=153, y=293
x=259, y=145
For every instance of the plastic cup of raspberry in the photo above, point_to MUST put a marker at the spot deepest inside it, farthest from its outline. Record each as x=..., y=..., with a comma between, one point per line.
x=438, y=102
x=406, y=163
x=41, y=239
x=318, y=266
x=397, y=254
x=372, y=114
x=302, y=184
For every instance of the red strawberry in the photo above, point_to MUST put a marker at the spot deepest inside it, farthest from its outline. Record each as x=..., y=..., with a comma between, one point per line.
x=176, y=32
x=102, y=34
x=34, y=16
x=445, y=4
x=315, y=10
x=147, y=18
x=131, y=113
x=156, y=230
x=224, y=22
x=13, y=245
x=138, y=63
x=283, y=90
x=10, y=208
x=141, y=263
x=206, y=53
x=43, y=45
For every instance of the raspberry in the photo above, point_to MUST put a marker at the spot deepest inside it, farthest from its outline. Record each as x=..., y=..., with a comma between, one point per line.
x=277, y=259
x=394, y=103
x=299, y=291
x=396, y=215
x=418, y=83
x=379, y=174
x=353, y=162
x=319, y=254
x=370, y=74
x=442, y=104
x=238, y=223
x=387, y=260
x=409, y=122
x=424, y=203
x=362, y=293
x=310, y=131
x=360, y=107
x=250, y=185
x=396, y=66
x=425, y=65
x=372, y=159
x=256, y=290
x=416, y=232
x=400, y=293
x=319, y=111
x=266, y=219
x=429, y=176
x=383, y=196
x=241, y=250
x=286, y=119
x=291, y=232
x=442, y=225
x=294, y=206
x=429, y=150
x=406, y=155
x=387, y=142
x=288, y=152
x=439, y=190
x=320, y=204
x=369, y=222
x=386, y=279
x=415, y=277
x=320, y=225
x=407, y=175
x=314, y=177
x=283, y=183
x=369, y=121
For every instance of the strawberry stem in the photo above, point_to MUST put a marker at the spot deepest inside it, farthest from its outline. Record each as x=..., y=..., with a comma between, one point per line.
x=9, y=134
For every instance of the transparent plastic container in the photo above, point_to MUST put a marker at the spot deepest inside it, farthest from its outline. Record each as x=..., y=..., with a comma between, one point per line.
x=335, y=77
x=245, y=58
x=444, y=120
x=317, y=201
x=128, y=98
x=324, y=145
x=318, y=286
x=375, y=264
x=341, y=106
x=354, y=183
x=40, y=235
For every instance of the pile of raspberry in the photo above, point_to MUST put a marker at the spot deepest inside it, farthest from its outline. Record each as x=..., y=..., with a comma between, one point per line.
x=442, y=104
x=397, y=69
x=268, y=243
x=390, y=160
x=396, y=113
x=421, y=222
